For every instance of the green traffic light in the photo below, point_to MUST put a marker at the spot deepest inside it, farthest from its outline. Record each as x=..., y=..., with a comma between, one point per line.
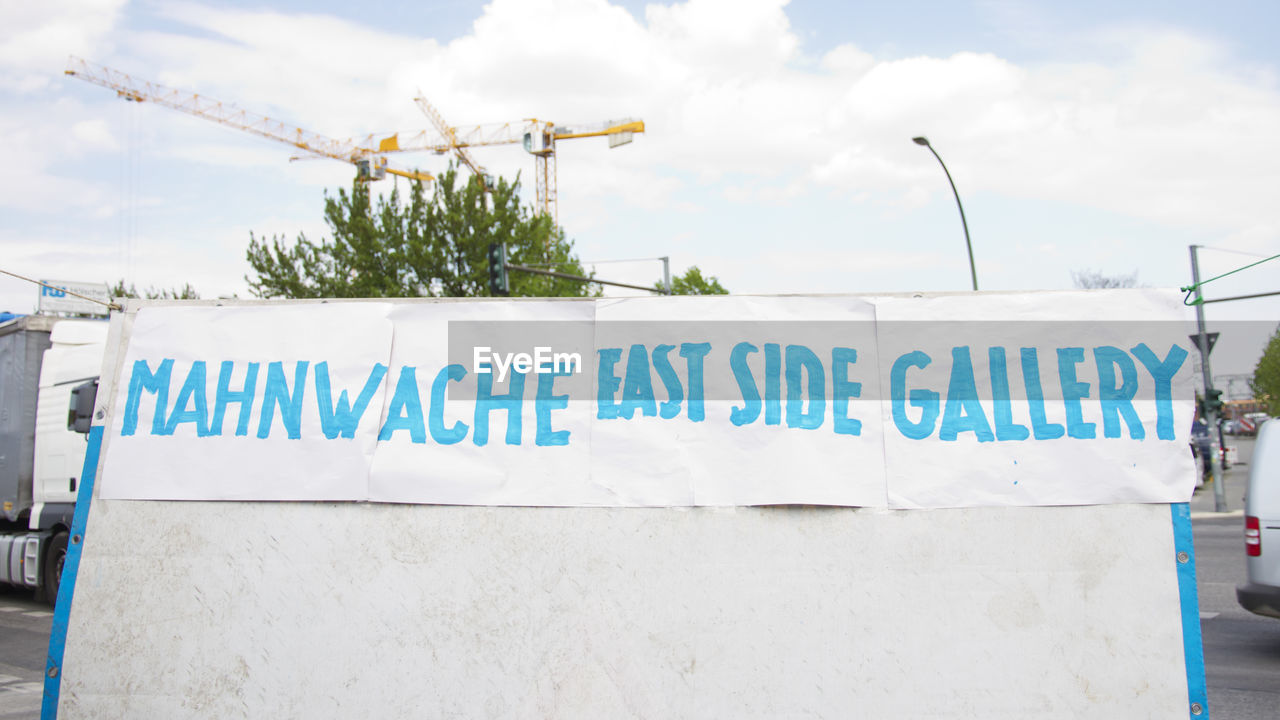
x=1214, y=400
x=498, y=284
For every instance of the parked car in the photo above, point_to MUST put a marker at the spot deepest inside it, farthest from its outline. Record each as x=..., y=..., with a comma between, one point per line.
x=1261, y=593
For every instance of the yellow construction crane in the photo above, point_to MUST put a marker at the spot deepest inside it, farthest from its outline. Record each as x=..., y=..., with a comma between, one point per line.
x=370, y=165
x=451, y=142
x=538, y=137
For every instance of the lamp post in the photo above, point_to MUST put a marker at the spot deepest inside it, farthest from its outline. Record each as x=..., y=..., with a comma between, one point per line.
x=973, y=272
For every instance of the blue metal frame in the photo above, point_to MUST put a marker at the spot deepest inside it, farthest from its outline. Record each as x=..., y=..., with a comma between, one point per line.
x=1192, y=645
x=67, y=587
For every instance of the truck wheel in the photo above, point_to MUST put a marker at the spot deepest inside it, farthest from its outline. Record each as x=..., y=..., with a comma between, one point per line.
x=53, y=561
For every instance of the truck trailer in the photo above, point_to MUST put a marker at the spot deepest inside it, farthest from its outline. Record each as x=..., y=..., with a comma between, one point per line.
x=49, y=370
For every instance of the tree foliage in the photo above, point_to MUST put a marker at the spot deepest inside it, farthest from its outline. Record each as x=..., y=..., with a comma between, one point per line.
x=428, y=245
x=693, y=283
x=1094, y=279
x=1266, y=376
x=121, y=290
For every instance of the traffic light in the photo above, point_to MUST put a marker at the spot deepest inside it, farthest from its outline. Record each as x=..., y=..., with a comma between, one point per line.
x=1213, y=400
x=498, y=269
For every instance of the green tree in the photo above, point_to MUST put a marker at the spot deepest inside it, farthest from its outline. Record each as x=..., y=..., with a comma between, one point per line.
x=1094, y=279
x=1266, y=376
x=121, y=290
x=434, y=246
x=693, y=283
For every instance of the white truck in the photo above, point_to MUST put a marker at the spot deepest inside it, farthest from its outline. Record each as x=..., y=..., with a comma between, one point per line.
x=48, y=380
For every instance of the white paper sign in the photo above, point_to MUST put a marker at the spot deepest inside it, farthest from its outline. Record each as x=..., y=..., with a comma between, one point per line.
x=452, y=435
x=249, y=403
x=961, y=400
x=1045, y=399
x=768, y=407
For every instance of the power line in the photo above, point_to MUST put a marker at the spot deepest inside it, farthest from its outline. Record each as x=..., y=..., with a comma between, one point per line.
x=579, y=278
x=602, y=262
x=1229, y=250
x=1197, y=284
x=110, y=305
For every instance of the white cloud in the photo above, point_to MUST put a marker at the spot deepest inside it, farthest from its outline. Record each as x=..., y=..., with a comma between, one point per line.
x=847, y=61
x=720, y=89
x=735, y=41
x=1167, y=130
x=94, y=134
x=36, y=37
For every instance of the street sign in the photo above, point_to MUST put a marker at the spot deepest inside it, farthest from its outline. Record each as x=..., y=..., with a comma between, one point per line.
x=1210, y=339
x=55, y=298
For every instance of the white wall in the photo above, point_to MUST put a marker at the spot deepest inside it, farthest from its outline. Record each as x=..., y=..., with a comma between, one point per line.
x=363, y=610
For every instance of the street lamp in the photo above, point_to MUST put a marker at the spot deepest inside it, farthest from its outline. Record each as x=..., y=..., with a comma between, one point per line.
x=972, y=271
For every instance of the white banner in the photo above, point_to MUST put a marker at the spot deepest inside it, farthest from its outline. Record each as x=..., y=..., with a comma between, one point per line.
x=964, y=400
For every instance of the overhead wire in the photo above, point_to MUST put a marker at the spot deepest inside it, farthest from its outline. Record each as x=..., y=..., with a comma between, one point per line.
x=110, y=305
x=1196, y=286
x=1231, y=250
x=130, y=220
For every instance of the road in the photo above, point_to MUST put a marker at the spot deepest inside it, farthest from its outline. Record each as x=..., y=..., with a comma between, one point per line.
x=24, y=643
x=1242, y=650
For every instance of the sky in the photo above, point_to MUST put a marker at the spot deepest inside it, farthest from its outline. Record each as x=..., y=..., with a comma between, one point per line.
x=777, y=154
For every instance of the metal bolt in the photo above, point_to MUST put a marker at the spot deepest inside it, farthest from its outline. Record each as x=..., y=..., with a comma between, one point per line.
x=101, y=413
x=1183, y=557
x=1197, y=709
x=75, y=539
x=53, y=671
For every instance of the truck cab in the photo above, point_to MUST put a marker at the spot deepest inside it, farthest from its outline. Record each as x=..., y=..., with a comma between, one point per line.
x=43, y=360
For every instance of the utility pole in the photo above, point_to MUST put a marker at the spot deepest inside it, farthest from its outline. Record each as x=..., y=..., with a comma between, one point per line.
x=1210, y=411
